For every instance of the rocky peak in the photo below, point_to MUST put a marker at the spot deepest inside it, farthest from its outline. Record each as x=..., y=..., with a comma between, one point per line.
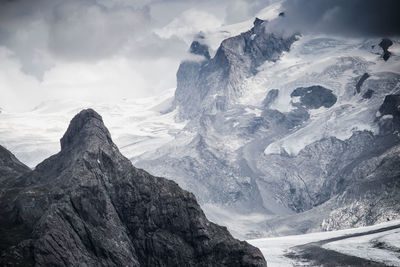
x=99, y=210
x=389, y=114
x=215, y=84
x=86, y=131
x=197, y=48
x=10, y=166
x=258, y=22
x=385, y=44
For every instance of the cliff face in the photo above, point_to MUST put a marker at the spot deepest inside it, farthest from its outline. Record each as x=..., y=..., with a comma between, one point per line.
x=88, y=206
x=10, y=166
x=214, y=84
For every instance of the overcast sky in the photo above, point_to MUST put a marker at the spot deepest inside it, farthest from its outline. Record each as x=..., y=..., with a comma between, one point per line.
x=101, y=50
x=105, y=50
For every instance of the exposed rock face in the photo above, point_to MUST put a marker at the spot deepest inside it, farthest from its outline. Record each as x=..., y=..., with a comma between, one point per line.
x=337, y=184
x=214, y=84
x=199, y=49
x=373, y=199
x=319, y=171
x=10, y=166
x=270, y=98
x=385, y=44
x=287, y=121
x=389, y=114
x=314, y=97
x=88, y=206
x=361, y=81
x=368, y=94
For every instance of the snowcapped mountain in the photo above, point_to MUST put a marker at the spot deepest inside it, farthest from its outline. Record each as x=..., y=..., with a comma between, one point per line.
x=274, y=133
x=89, y=206
x=294, y=131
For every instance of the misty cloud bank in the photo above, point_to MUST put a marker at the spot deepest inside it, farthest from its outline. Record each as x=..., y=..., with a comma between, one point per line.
x=100, y=50
x=108, y=49
x=354, y=18
x=43, y=31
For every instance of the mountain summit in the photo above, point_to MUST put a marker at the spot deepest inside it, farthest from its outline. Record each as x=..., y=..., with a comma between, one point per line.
x=88, y=206
x=86, y=132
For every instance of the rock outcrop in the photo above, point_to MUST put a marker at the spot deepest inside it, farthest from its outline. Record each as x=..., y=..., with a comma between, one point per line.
x=389, y=114
x=385, y=44
x=88, y=206
x=10, y=166
x=361, y=81
x=314, y=97
x=197, y=48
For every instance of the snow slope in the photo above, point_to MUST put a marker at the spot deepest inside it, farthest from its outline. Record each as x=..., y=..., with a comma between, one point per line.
x=275, y=249
x=137, y=125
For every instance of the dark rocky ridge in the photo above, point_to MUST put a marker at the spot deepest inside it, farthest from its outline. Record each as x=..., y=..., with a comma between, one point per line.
x=270, y=98
x=314, y=97
x=389, y=117
x=368, y=94
x=385, y=44
x=197, y=48
x=361, y=81
x=88, y=206
x=10, y=166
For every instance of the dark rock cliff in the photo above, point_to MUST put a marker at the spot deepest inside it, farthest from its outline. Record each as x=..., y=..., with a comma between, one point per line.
x=314, y=97
x=88, y=206
x=389, y=114
x=10, y=166
x=385, y=44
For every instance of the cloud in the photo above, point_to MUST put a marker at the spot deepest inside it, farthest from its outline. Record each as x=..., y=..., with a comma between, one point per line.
x=241, y=10
x=190, y=23
x=42, y=31
x=87, y=31
x=359, y=18
x=100, y=50
x=106, y=81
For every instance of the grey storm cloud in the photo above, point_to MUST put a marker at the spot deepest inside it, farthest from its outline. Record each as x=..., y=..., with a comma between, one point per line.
x=361, y=18
x=72, y=30
x=38, y=32
x=89, y=31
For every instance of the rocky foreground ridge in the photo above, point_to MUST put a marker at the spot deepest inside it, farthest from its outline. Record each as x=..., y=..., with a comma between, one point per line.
x=88, y=206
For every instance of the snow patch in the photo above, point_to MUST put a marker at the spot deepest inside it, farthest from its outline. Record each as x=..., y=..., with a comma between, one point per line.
x=387, y=117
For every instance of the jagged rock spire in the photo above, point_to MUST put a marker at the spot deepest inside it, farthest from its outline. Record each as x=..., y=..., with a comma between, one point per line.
x=86, y=130
x=197, y=48
x=88, y=206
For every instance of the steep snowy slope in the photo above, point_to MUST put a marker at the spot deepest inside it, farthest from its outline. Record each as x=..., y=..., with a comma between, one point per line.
x=288, y=135
x=137, y=124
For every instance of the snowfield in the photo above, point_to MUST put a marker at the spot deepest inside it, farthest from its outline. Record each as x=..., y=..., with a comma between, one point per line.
x=137, y=126
x=382, y=247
